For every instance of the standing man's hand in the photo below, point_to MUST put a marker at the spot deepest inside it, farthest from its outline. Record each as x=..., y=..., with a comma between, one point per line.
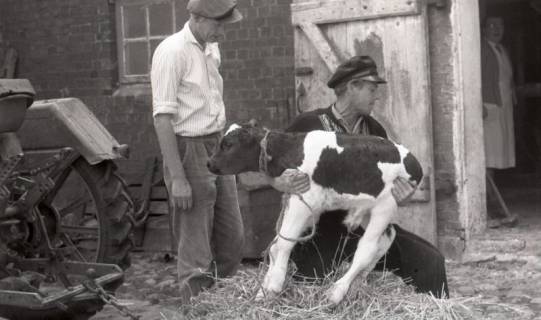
x=181, y=194
x=291, y=181
x=402, y=190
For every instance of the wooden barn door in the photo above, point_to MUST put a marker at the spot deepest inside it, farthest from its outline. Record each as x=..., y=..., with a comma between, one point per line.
x=394, y=33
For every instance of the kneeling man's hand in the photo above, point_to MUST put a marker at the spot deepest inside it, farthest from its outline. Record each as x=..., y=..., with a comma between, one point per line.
x=292, y=181
x=402, y=190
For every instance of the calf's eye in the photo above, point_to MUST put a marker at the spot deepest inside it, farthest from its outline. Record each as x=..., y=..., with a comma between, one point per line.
x=226, y=145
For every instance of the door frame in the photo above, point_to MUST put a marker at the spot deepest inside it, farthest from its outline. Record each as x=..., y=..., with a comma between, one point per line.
x=456, y=100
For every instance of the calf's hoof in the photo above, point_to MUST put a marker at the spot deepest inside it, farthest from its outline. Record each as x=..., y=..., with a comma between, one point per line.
x=336, y=293
x=265, y=294
x=260, y=295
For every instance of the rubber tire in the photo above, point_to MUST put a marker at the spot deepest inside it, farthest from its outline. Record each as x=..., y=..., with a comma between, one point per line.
x=114, y=205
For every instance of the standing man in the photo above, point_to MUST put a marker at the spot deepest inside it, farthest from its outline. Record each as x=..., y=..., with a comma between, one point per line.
x=498, y=102
x=355, y=84
x=189, y=115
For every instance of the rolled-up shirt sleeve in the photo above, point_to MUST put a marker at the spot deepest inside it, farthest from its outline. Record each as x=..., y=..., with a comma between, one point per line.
x=165, y=77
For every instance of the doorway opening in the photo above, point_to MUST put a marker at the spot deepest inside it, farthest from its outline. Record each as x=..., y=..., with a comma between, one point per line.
x=520, y=186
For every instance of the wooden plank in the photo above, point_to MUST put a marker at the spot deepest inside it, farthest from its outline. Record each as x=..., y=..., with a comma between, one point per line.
x=133, y=169
x=301, y=60
x=260, y=210
x=307, y=56
x=159, y=207
x=321, y=44
x=144, y=197
x=402, y=57
x=319, y=12
x=423, y=192
x=157, y=193
x=10, y=62
x=157, y=237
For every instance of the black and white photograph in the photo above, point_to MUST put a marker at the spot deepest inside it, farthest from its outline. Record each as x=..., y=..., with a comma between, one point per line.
x=270, y=159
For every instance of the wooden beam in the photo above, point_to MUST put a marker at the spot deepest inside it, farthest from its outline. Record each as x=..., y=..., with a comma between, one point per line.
x=9, y=64
x=319, y=12
x=321, y=44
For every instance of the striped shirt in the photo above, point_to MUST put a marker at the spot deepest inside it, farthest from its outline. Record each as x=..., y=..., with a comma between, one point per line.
x=187, y=84
x=360, y=126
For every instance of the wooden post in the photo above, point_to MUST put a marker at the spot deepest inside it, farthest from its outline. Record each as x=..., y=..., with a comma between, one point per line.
x=9, y=64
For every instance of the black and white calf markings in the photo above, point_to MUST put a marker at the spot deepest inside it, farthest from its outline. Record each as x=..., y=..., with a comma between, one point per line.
x=353, y=173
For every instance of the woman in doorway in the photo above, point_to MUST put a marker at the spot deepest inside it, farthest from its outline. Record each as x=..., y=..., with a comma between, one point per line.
x=498, y=101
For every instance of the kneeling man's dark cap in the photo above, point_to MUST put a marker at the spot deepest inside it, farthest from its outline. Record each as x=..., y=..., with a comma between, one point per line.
x=221, y=10
x=358, y=67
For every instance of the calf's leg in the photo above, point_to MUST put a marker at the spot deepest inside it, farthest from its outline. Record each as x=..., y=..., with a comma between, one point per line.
x=371, y=247
x=296, y=218
x=384, y=244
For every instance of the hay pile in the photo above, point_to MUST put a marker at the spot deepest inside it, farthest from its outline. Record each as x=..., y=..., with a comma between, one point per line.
x=384, y=296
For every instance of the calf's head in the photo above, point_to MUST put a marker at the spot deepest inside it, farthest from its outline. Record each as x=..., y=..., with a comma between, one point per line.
x=238, y=151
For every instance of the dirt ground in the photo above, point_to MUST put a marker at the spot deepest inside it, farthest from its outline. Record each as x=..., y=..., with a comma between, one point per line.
x=501, y=273
x=502, y=276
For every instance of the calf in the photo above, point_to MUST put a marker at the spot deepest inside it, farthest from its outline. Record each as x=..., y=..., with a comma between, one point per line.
x=352, y=173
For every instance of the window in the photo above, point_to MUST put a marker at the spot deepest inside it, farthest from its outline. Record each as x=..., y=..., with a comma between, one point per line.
x=141, y=26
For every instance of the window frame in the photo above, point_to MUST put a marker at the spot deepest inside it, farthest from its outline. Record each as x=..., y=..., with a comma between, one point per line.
x=122, y=40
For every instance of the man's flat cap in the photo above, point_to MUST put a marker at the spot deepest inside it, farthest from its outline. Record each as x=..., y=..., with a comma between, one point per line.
x=357, y=67
x=222, y=10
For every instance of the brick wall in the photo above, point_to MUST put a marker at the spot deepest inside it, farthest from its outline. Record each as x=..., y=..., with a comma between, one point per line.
x=68, y=48
x=258, y=64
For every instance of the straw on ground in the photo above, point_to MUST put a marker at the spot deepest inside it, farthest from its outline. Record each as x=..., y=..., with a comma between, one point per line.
x=382, y=297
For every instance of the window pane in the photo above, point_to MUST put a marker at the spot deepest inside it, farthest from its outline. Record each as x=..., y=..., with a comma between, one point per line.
x=161, y=19
x=134, y=21
x=136, y=58
x=154, y=44
x=182, y=16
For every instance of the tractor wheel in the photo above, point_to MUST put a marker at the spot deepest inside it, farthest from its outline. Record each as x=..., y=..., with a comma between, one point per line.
x=94, y=210
x=89, y=211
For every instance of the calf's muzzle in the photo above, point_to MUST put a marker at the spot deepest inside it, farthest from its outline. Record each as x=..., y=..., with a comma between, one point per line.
x=212, y=167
